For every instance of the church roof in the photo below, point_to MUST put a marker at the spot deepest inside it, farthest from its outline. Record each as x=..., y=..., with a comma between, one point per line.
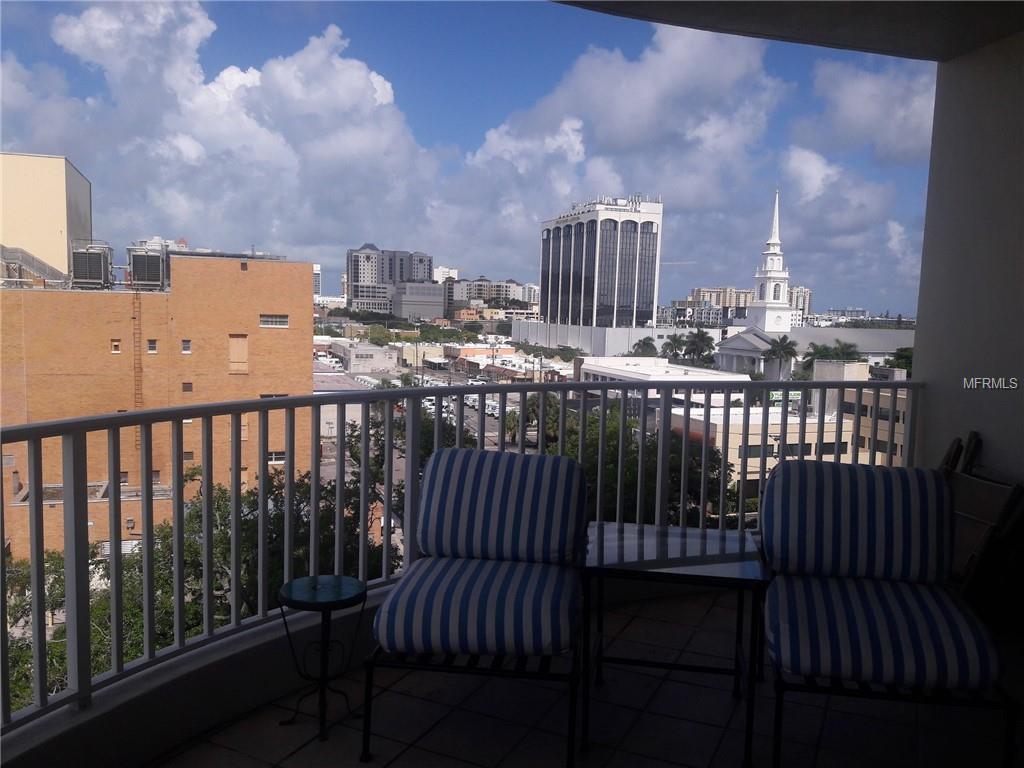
x=868, y=340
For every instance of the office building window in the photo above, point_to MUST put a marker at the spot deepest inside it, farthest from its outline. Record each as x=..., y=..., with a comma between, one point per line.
x=115, y=346
x=275, y=457
x=273, y=321
x=186, y=386
x=124, y=477
x=186, y=346
x=238, y=353
x=151, y=346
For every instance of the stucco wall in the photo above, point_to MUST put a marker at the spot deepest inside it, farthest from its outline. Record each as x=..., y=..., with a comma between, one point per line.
x=974, y=256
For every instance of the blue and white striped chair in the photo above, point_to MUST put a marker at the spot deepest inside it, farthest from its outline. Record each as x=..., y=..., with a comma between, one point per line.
x=858, y=605
x=502, y=540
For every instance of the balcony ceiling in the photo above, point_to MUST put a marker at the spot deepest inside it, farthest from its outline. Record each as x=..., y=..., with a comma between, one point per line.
x=936, y=31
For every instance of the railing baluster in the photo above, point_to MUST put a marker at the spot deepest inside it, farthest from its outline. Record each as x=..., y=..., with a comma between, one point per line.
x=146, y=512
x=78, y=623
x=561, y=421
x=385, y=528
x=684, y=461
x=262, y=560
x=364, y=491
x=542, y=414
x=891, y=445
x=582, y=433
x=704, y=447
x=620, y=470
x=763, y=463
x=481, y=427
x=340, y=448
x=115, y=568
x=460, y=420
x=288, y=553
x=664, y=444
x=741, y=496
x=37, y=576
x=412, y=482
x=641, y=436
x=438, y=422
x=314, y=490
x=723, y=471
x=784, y=426
x=236, y=518
x=909, y=424
x=502, y=409
x=523, y=398
x=178, y=530
x=819, y=449
x=840, y=394
x=874, y=426
x=802, y=435
x=5, y=656
x=855, y=440
x=207, y=551
x=601, y=419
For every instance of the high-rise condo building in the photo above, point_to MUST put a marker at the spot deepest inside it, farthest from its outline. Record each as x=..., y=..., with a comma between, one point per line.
x=599, y=263
x=316, y=280
x=373, y=275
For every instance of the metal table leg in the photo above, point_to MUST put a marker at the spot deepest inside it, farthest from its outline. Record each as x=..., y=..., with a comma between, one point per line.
x=755, y=622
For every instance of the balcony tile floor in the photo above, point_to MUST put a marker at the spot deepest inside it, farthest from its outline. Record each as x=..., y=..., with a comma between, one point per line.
x=641, y=718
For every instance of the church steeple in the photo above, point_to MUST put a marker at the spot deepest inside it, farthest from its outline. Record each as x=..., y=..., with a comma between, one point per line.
x=774, y=242
x=770, y=309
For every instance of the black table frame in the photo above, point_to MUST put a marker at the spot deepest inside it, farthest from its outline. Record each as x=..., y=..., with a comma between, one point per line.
x=323, y=679
x=751, y=667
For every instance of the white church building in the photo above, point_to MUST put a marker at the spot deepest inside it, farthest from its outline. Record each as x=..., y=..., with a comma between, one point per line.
x=769, y=317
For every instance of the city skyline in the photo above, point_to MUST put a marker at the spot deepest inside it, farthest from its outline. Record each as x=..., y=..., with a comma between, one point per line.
x=467, y=174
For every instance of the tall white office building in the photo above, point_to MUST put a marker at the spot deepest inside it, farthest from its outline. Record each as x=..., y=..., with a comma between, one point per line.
x=316, y=280
x=373, y=275
x=599, y=263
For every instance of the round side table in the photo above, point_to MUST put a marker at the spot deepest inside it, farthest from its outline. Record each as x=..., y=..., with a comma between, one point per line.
x=323, y=594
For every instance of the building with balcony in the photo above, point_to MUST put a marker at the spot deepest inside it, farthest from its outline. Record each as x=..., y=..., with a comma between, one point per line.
x=418, y=301
x=374, y=274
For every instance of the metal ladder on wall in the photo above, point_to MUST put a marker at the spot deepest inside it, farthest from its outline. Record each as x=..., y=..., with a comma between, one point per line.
x=137, y=358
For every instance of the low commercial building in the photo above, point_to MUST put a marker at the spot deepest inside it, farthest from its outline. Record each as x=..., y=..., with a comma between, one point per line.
x=413, y=355
x=593, y=340
x=363, y=357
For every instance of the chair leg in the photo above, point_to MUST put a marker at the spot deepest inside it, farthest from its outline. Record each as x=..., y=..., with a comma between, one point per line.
x=366, y=756
x=570, y=741
x=1010, y=746
x=780, y=693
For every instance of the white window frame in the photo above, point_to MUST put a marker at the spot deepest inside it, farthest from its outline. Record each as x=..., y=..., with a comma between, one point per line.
x=151, y=346
x=115, y=346
x=273, y=321
x=186, y=346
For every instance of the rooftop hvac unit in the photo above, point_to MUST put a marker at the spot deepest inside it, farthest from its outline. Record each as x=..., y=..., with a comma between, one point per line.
x=90, y=266
x=148, y=268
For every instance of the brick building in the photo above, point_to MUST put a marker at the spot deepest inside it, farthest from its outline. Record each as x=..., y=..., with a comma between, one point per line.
x=224, y=328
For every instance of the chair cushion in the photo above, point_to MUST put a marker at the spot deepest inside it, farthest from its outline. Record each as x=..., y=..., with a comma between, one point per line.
x=870, y=631
x=827, y=519
x=503, y=506
x=456, y=605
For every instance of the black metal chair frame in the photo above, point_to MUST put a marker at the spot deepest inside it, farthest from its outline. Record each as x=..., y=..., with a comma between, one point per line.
x=501, y=666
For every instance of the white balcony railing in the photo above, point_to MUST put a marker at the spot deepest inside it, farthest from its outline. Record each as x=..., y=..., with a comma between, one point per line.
x=206, y=563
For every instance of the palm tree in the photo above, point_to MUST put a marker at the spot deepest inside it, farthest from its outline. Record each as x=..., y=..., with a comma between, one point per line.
x=817, y=351
x=645, y=347
x=699, y=345
x=512, y=425
x=674, y=346
x=844, y=350
x=782, y=349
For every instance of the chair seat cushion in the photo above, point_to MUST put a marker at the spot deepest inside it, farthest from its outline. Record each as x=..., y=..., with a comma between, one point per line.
x=871, y=631
x=463, y=605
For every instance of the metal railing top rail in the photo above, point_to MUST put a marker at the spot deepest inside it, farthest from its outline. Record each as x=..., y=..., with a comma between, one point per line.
x=58, y=427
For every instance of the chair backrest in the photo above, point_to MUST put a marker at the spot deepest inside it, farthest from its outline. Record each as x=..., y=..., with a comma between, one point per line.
x=828, y=519
x=503, y=506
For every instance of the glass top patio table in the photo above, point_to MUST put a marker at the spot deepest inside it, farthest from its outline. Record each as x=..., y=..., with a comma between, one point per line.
x=673, y=553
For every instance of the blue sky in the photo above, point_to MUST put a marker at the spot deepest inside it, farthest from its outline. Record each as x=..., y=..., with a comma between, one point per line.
x=455, y=128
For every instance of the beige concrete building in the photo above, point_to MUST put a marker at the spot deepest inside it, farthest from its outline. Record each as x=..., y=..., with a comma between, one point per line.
x=226, y=329
x=45, y=203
